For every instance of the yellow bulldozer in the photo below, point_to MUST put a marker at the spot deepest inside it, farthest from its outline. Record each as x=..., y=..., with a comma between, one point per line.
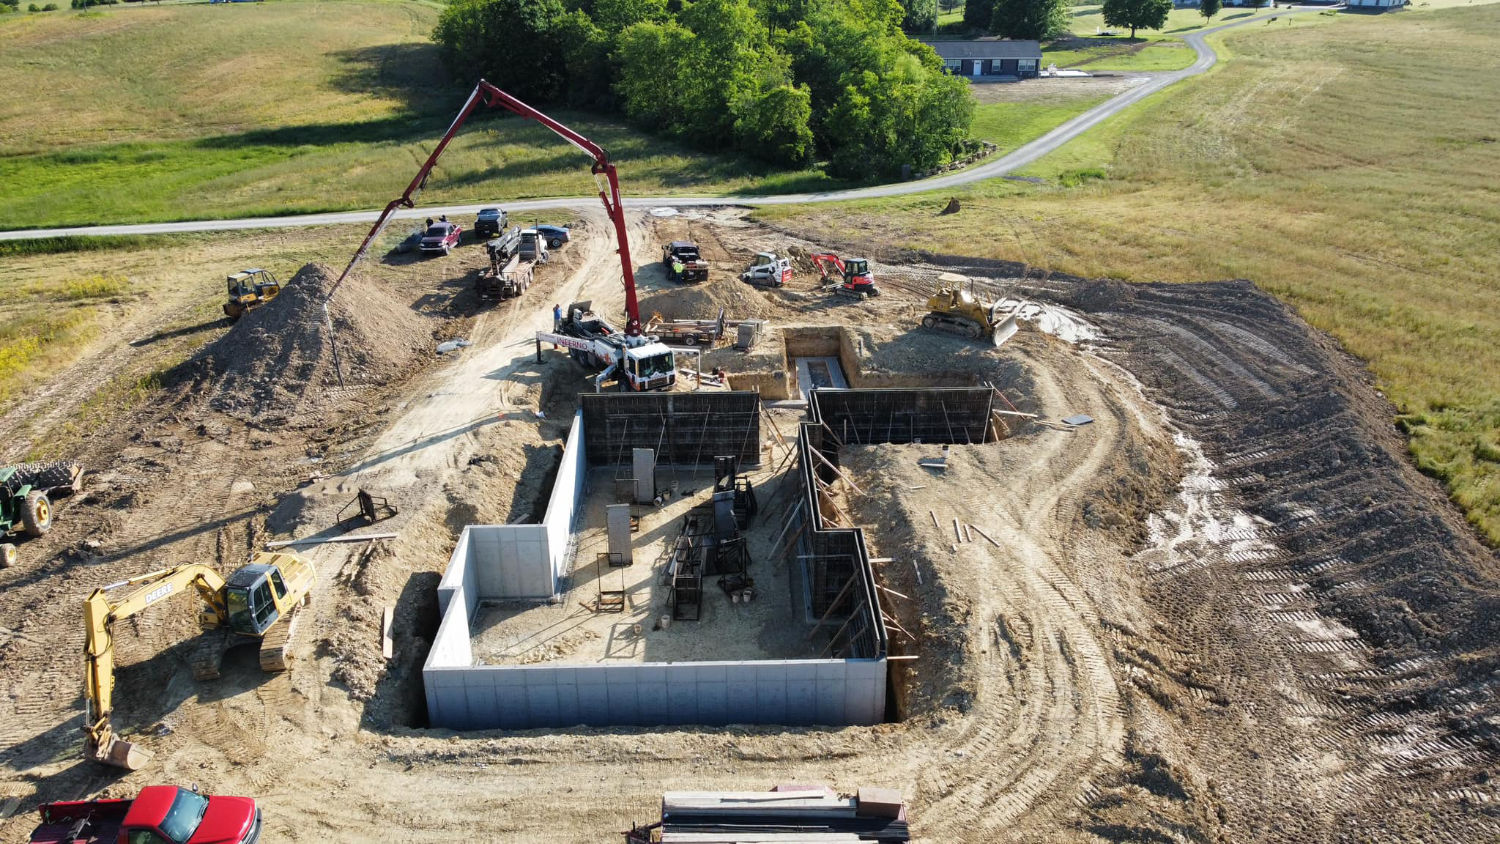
x=248, y=290
x=953, y=308
x=259, y=602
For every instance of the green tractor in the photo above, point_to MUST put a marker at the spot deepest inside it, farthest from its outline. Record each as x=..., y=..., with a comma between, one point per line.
x=24, y=504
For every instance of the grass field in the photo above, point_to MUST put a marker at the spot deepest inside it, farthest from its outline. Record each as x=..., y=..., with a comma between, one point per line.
x=1329, y=162
x=194, y=111
x=1096, y=54
x=1008, y=125
x=197, y=111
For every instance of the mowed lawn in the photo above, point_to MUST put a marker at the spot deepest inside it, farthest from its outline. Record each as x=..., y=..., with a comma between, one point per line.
x=194, y=111
x=138, y=114
x=1347, y=165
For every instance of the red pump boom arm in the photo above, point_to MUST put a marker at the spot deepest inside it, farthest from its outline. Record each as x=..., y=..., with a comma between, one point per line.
x=491, y=96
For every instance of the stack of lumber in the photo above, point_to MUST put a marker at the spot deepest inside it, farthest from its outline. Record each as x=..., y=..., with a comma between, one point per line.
x=788, y=815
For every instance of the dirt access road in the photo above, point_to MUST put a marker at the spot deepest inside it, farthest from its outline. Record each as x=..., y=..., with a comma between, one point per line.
x=1159, y=650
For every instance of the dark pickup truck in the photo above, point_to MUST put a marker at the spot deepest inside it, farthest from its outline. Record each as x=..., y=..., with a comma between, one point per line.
x=489, y=222
x=160, y=814
x=683, y=262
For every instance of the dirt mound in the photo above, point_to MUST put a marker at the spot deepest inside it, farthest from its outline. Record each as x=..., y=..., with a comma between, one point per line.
x=277, y=358
x=703, y=300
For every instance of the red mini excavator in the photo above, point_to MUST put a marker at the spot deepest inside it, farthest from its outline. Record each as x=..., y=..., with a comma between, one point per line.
x=850, y=278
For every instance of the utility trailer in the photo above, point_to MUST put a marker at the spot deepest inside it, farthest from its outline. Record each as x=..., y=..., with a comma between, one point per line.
x=689, y=332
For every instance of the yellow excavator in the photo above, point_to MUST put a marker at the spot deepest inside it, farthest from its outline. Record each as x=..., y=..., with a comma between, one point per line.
x=952, y=308
x=259, y=601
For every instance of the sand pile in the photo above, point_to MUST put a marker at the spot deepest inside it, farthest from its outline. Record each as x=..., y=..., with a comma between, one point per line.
x=278, y=359
x=703, y=300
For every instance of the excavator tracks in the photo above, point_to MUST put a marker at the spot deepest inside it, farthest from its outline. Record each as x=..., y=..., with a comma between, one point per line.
x=275, y=646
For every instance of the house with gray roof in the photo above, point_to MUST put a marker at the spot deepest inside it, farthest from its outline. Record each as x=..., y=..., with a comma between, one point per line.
x=990, y=58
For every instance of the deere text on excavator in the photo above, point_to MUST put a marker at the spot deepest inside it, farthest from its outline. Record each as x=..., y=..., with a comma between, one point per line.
x=258, y=602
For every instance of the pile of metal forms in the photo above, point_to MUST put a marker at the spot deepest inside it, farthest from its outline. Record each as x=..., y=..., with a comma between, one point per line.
x=802, y=814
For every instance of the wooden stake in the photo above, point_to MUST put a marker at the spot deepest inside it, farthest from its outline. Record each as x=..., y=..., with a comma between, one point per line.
x=985, y=535
x=889, y=591
x=934, y=520
x=956, y=533
x=896, y=624
x=387, y=646
x=837, y=471
x=313, y=541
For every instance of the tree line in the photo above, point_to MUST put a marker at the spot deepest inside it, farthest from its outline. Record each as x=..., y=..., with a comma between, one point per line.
x=1043, y=19
x=786, y=81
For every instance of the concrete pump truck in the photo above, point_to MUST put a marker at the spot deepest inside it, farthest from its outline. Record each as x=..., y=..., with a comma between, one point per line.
x=633, y=358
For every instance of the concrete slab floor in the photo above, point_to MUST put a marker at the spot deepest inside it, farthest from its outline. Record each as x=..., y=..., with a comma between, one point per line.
x=571, y=631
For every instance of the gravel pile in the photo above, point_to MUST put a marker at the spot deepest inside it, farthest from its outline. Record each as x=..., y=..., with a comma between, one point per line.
x=278, y=361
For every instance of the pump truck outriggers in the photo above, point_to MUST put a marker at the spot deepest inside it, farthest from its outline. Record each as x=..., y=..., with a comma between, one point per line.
x=638, y=360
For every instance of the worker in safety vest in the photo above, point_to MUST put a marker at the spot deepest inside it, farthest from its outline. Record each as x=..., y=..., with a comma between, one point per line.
x=677, y=268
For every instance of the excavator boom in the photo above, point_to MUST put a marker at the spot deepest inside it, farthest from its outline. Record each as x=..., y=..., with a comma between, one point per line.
x=99, y=613
x=609, y=191
x=257, y=596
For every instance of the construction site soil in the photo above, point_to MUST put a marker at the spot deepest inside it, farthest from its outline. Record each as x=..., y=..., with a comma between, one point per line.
x=1228, y=609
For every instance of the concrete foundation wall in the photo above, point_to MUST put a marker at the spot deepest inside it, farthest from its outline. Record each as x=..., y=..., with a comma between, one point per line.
x=562, y=506
x=793, y=692
x=522, y=561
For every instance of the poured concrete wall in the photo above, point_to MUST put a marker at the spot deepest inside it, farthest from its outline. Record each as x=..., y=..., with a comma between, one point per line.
x=524, y=561
x=793, y=692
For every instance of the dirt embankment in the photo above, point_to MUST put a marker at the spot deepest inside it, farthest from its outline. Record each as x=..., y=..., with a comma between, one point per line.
x=286, y=355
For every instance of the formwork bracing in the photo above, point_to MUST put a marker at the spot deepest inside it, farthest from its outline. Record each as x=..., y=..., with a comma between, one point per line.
x=838, y=583
x=683, y=429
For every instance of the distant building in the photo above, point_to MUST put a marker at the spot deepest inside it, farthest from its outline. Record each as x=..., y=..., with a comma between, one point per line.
x=1375, y=4
x=990, y=58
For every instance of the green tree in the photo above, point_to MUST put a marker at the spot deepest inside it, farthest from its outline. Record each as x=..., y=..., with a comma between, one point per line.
x=648, y=56
x=1031, y=19
x=775, y=124
x=1137, y=14
x=586, y=58
x=1209, y=8
x=614, y=16
x=910, y=115
x=513, y=43
x=920, y=17
x=977, y=13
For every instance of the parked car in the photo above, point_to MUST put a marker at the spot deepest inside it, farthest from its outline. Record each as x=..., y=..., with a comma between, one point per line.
x=556, y=235
x=489, y=222
x=441, y=237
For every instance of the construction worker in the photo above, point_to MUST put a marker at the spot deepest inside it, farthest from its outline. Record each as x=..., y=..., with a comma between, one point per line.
x=677, y=267
x=556, y=316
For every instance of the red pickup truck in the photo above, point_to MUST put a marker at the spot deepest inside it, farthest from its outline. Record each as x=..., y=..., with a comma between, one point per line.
x=160, y=814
